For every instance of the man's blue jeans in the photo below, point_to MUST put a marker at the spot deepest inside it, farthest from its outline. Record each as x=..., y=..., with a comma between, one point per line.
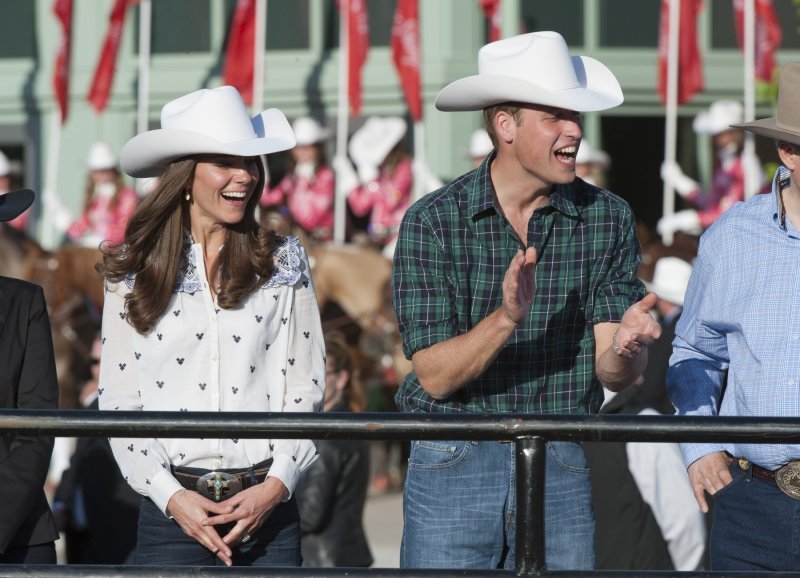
x=756, y=527
x=459, y=506
x=162, y=542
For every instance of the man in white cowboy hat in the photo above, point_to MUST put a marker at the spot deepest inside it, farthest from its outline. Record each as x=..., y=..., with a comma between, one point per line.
x=728, y=179
x=27, y=381
x=515, y=290
x=737, y=353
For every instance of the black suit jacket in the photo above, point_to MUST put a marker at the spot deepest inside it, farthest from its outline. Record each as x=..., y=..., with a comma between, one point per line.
x=27, y=381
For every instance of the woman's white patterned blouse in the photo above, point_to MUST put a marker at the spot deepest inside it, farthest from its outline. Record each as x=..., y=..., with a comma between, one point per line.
x=266, y=355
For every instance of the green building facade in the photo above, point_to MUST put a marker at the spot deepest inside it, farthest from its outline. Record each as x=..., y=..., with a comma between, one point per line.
x=301, y=69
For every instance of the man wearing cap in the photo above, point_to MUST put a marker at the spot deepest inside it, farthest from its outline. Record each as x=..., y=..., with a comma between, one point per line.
x=728, y=182
x=740, y=320
x=516, y=292
x=27, y=381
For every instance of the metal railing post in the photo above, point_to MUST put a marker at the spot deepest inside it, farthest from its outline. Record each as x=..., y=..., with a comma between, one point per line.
x=530, y=459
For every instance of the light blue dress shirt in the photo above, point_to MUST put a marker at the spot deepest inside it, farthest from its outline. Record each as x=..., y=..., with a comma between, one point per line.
x=742, y=314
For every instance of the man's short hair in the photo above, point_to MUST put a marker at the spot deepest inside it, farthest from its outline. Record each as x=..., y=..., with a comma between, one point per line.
x=491, y=111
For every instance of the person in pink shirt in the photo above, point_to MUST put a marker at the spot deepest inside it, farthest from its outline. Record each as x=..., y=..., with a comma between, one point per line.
x=728, y=181
x=307, y=190
x=383, y=185
x=108, y=203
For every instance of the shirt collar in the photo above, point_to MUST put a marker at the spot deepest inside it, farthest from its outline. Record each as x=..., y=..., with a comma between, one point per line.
x=779, y=182
x=562, y=197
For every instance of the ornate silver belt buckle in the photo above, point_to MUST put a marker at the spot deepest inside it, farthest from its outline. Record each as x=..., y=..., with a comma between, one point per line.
x=788, y=479
x=218, y=486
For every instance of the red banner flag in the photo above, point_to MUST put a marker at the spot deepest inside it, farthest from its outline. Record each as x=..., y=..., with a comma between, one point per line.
x=358, y=48
x=768, y=35
x=405, y=53
x=104, y=73
x=240, y=52
x=491, y=8
x=63, y=11
x=690, y=66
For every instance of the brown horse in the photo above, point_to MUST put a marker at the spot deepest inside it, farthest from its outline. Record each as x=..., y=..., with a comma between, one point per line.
x=73, y=291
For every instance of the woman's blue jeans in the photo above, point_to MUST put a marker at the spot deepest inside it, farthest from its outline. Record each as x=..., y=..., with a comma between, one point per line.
x=460, y=505
x=756, y=527
x=162, y=542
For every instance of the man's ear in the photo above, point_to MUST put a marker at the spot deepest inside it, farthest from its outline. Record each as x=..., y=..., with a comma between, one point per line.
x=788, y=154
x=505, y=126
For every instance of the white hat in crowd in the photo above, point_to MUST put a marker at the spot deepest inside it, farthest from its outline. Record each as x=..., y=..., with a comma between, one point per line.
x=5, y=166
x=588, y=154
x=370, y=144
x=101, y=157
x=307, y=131
x=670, y=279
x=480, y=144
x=719, y=117
x=533, y=68
x=206, y=121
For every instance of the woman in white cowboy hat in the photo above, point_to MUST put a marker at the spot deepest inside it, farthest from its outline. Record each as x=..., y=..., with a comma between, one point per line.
x=381, y=191
x=728, y=179
x=307, y=190
x=108, y=203
x=206, y=311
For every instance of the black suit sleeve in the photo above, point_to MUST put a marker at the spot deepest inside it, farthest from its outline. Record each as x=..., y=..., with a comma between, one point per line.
x=316, y=490
x=23, y=472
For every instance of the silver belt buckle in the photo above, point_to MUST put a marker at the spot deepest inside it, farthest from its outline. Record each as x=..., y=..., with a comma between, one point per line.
x=218, y=486
x=788, y=479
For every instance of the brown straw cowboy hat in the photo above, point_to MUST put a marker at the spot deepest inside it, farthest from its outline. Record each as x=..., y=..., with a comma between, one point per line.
x=786, y=125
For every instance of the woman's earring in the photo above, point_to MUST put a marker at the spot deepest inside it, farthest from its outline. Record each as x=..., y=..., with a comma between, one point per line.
x=187, y=196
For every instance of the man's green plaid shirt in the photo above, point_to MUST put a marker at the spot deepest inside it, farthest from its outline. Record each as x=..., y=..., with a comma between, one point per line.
x=452, y=254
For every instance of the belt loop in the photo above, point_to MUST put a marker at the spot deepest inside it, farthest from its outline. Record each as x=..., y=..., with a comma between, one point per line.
x=251, y=476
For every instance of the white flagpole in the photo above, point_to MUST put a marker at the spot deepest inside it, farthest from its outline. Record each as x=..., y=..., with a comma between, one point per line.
x=143, y=100
x=751, y=183
x=420, y=164
x=671, y=129
x=50, y=200
x=143, y=105
x=339, y=208
x=258, y=59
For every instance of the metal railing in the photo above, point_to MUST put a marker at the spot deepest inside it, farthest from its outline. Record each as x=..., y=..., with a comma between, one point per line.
x=528, y=432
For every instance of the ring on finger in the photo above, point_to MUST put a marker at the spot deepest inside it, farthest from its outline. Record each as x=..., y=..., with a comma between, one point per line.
x=246, y=538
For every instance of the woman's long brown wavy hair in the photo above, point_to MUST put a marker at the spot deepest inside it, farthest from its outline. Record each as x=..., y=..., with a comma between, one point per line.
x=154, y=243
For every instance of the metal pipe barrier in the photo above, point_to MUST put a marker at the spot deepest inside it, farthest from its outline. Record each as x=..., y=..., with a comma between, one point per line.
x=528, y=432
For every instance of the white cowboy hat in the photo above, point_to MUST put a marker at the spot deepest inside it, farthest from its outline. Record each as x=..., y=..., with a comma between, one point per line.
x=588, y=154
x=207, y=121
x=308, y=131
x=670, y=279
x=785, y=126
x=5, y=166
x=533, y=68
x=480, y=144
x=100, y=157
x=370, y=144
x=719, y=117
x=13, y=204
